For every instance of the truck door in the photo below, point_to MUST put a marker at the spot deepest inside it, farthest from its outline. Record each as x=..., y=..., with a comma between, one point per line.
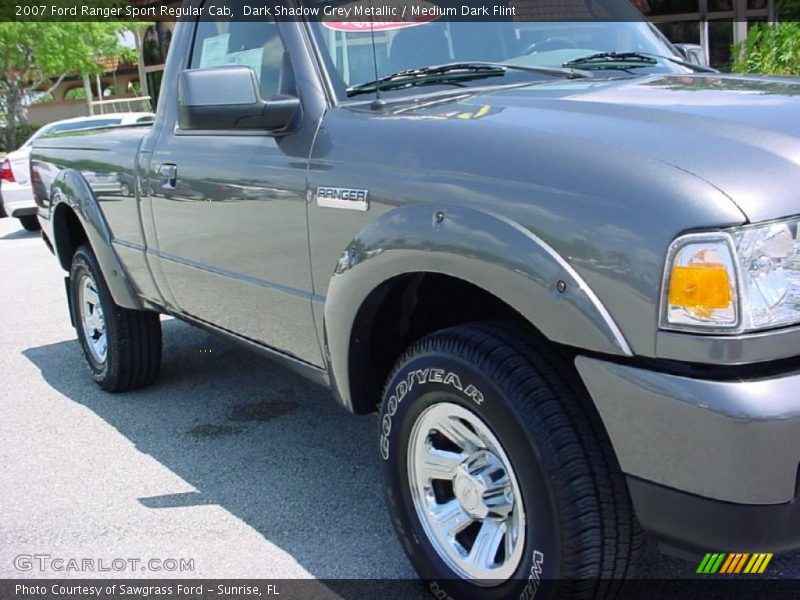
x=229, y=206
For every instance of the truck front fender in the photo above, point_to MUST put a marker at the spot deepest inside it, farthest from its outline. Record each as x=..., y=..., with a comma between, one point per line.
x=484, y=249
x=70, y=193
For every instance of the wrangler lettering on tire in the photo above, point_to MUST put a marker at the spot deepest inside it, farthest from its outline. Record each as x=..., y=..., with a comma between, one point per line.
x=498, y=471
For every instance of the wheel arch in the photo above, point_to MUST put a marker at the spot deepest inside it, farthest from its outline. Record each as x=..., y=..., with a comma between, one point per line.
x=477, y=265
x=76, y=218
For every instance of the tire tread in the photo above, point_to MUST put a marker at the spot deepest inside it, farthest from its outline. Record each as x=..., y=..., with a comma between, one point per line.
x=601, y=541
x=136, y=347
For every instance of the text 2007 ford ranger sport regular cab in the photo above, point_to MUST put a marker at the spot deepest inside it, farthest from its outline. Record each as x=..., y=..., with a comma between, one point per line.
x=562, y=264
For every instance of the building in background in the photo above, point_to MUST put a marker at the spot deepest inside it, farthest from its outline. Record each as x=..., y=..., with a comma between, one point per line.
x=714, y=24
x=118, y=89
x=153, y=45
x=122, y=87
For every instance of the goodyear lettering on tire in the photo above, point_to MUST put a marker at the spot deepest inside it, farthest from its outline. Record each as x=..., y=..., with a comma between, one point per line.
x=419, y=377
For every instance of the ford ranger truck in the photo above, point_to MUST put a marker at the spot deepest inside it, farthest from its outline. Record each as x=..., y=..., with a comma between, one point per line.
x=561, y=262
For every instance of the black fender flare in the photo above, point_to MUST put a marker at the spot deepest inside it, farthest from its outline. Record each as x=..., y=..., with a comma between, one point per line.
x=71, y=193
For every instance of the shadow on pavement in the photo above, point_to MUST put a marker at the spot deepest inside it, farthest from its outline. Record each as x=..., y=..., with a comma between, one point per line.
x=266, y=445
x=20, y=234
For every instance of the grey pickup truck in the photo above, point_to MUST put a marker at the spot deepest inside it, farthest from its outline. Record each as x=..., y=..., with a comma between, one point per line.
x=559, y=260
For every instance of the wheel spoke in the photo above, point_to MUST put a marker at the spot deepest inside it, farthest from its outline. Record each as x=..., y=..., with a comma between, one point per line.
x=88, y=314
x=91, y=296
x=466, y=494
x=93, y=323
x=450, y=519
x=460, y=434
x=509, y=541
x=92, y=320
x=102, y=345
x=440, y=464
x=487, y=542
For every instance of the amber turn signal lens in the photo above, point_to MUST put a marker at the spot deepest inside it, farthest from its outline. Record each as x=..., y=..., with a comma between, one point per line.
x=700, y=286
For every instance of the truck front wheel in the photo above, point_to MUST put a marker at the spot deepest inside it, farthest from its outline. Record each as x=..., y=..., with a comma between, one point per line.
x=499, y=477
x=122, y=347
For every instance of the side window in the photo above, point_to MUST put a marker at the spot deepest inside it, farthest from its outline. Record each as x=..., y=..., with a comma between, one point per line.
x=252, y=44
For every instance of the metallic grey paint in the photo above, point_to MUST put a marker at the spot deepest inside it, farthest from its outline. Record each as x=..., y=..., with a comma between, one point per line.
x=512, y=189
x=60, y=169
x=479, y=247
x=735, y=441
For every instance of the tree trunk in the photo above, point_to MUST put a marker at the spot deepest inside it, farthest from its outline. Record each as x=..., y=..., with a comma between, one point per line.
x=87, y=87
x=13, y=108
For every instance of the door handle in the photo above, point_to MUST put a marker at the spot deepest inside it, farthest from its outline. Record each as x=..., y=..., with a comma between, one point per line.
x=169, y=175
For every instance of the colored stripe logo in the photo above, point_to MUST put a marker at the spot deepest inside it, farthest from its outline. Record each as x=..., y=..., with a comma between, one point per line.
x=734, y=563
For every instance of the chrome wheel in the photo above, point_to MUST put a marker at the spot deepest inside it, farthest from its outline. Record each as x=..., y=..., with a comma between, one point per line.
x=466, y=494
x=92, y=319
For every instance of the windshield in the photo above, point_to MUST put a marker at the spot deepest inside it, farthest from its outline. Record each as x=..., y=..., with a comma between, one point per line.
x=403, y=46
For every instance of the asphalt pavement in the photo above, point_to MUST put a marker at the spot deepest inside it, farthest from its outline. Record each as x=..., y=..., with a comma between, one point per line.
x=227, y=461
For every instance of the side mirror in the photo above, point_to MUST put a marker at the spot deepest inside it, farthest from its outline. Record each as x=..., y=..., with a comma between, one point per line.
x=692, y=53
x=229, y=98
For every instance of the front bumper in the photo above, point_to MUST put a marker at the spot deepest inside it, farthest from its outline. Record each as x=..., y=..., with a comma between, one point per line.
x=701, y=454
x=696, y=524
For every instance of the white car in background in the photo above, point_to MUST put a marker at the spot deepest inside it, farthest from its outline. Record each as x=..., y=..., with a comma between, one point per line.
x=16, y=192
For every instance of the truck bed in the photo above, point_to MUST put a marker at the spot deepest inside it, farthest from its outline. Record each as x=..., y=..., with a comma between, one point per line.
x=105, y=160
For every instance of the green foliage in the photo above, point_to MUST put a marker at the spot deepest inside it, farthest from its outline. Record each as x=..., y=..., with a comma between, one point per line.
x=34, y=53
x=769, y=50
x=21, y=133
x=78, y=93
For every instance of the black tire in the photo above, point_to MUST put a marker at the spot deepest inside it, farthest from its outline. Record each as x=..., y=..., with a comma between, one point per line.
x=133, y=338
x=582, y=538
x=30, y=222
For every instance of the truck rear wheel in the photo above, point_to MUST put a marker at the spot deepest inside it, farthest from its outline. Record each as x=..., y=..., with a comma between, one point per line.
x=499, y=477
x=121, y=346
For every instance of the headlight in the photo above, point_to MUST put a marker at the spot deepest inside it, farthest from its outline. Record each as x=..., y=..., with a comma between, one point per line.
x=770, y=267
x=742, y=279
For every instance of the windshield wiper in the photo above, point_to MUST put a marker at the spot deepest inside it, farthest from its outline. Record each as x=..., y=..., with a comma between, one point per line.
x=613, y=60
x=683, y=63
x=631, y=60
x=452, y=73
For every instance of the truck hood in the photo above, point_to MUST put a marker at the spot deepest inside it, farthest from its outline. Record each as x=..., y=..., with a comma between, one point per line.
x=741, y=135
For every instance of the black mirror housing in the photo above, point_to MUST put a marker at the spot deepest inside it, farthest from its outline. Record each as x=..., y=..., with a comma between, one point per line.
x=229, y=98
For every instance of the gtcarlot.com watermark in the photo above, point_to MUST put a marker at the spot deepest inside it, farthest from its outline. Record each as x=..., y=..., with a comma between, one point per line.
x=45, y=563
